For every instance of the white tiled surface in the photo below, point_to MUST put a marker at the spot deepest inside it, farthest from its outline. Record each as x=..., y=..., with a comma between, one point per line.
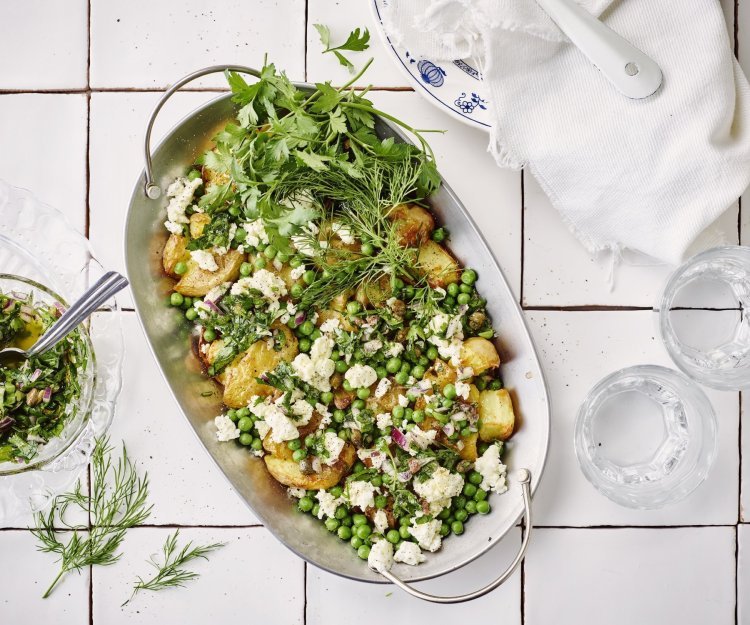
x=577, y=571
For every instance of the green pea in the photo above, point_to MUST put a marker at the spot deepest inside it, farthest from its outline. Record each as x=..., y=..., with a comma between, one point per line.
x=232, y=414
x=270, y=252
x=449, y=391
x=176, y=299
x=308, y=277
x=409, y=292
x=368, y=249
x=299, y=455
x=257, y=444
x=245, y=424
x=392, y=536
x=432, y=352
x=332, y=524
x=469, y=276
x=309, y=440
x=447, y=403
x=483, y=507
x=418, y=371
x=393, y=365
x=296, y=291
x=471, y=507
x=304, y=345
x=449, y=301
x=316, y=334
x=282, y=257
x=246, y=439
x=191, y=314
x=359, y=519
x=487, y=334
x=480, y=495
x=260, y=262
x=481, y=383
x=353, y=307
x=363, y=552
x=418, y=416
x=209, y=335
x=359, y=404
x=339, y=416
x=475, y=477
x=305, y=504
x=381, y=501
x=461, y=515
x=402, y=377
x=459, y=502
x=381, y=371
x=187, y=302
x=326, y=398
x=193, y=174
x=295, y=444
x=363, y=393
x=344, y=532
x=444, y=514
x=246, y=269
x=336, y=491
x=377, y=481
x=363, y=530
x=469, y=490
x=439, y=235
x=307, y=328
x=457, y=528
x=452, y=289
x=316, y=510
x=404, y=532
x=358, y=467
x=463, y=298
x=496, y=385
x=347, y=386
x=295, y=262
x=180, y=268
x=356, y=542
x=445, y=530
x=342, y=367
x=243, y=412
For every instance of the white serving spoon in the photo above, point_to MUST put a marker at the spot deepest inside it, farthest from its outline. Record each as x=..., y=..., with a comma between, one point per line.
x=633, y=73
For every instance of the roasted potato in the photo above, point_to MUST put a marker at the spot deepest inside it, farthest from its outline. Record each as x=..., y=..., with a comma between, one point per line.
x=175, y=251
x=210, y=355
x=469, y=449
x=496, y=416
x=325, y=315
x=197, y=282
x=288, y=471
x=413, y=224
x=198, y=221
x=440, y=374
x=387, y=402
x=212, y=177
x=479, y=354
x=374, y=294
x=437, y=264
x=240, y=382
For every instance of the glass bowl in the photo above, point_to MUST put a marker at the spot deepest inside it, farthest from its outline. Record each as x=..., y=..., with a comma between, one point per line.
x=78, y=412
x=645, y=436
x=38, y=246
x=704, y=321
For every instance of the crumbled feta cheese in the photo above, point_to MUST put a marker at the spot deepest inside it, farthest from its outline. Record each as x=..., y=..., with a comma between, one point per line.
x=381, y=556
x=464, y=373
x=361, y=494
x=384, y=419
x=380, y=520
x=217, y=292
x=360, y=376
x=439, y=323
x=204, y=259
x=427, y=534
x=226, y=430
x=298, y=272
x=330, y=326
x=421, y=438
x=180, y=194
x=394, y=350
x=455, y=328
x=409, y=553
x=317, y=367
x=375, y=457
x=328, y=504
x=277, y=264
x=372, y=346
x=450, y=350
x=439, y=488
x=297, y=493
x=325, y=414
x=303, y=410
x=343, y=231
x=333, y=445
x=282, y=427
x=262, y=428
x=403, y=401
x=493, y=471
x=256, y=232
x=382, y=388
x=462, y=389
x=269, y=284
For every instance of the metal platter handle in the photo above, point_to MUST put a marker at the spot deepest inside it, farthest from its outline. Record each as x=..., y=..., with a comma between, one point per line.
x=151, y=189
x=524, y=477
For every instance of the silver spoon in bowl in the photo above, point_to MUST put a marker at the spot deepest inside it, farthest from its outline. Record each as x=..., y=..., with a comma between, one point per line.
x=104, y=288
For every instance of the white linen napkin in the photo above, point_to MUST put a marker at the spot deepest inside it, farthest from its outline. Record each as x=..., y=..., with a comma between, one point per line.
x=646, y=175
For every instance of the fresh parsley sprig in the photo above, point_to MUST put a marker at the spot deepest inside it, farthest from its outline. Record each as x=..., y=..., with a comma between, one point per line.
x=118, y=501
x=170, y=572
x=357, y=41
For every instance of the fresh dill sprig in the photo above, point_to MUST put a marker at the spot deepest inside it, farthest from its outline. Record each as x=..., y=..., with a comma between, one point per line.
x=170, y=572
x=118, y=501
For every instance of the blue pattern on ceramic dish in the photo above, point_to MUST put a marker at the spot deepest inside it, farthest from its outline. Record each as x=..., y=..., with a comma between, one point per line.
x=468, y=69
x=468, y=105
x=431, y=73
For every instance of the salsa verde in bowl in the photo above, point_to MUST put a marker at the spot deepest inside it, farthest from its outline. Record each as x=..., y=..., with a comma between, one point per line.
x=46, y=401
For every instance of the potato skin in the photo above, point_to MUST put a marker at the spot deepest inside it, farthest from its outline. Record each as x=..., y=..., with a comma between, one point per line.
x=175, y=251
x=288, y=472
x=197, y=282
x=240, y=382
x=413, y=224
x=437, y=264
x=198, y=221
x=496, y=415
x=479, y=354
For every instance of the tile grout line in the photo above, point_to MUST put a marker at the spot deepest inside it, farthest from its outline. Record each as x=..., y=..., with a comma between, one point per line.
x=304, y=33
x=523, y=236
x=217, y=90
x=304, y=593
x=736, y=30
x=87, y=231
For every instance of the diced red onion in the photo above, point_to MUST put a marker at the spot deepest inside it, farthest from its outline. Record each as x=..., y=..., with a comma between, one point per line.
x=8, y=303
x=420, y=388
x=399, y=438
x=35, y=376
x=209, y=304
x=301, y=316
x=47, y=395
x=414, y=465
x=404, y=476
x=6, y=423
x=449, y=428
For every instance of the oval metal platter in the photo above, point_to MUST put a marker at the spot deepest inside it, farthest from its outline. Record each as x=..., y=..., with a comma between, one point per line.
x=200, y=398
